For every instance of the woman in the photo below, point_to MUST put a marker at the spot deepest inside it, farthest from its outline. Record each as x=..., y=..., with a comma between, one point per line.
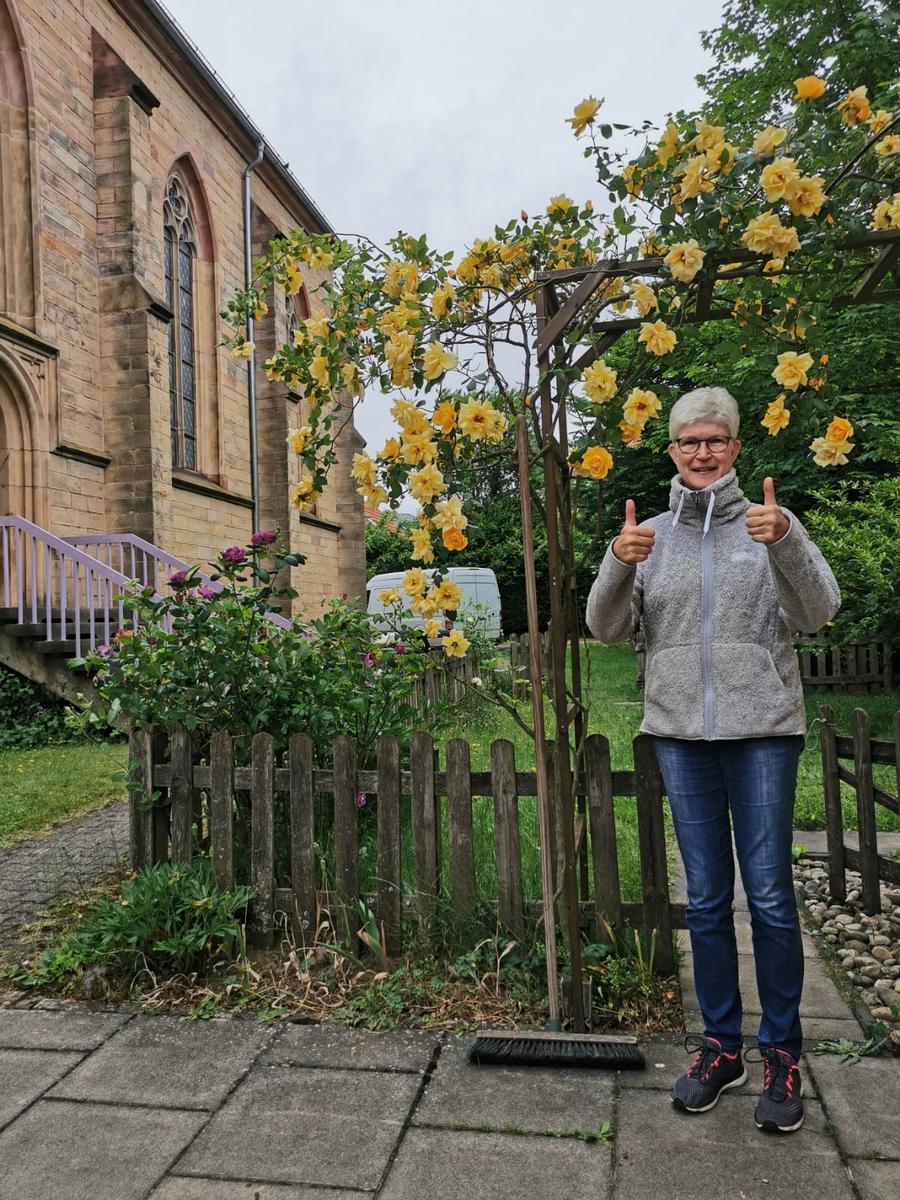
x=718, y=586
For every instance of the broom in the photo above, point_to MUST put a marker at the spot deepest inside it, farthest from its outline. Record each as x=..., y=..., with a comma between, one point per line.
x=549, y=1047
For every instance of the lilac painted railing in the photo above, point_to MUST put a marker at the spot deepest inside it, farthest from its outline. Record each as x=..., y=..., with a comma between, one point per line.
x=63, y=592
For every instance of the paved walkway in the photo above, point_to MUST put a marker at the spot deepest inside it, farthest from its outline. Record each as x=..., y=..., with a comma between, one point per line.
x=35, y=872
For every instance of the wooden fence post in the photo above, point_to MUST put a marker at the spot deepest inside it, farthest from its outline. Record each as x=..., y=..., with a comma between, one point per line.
x=652, y=839
x=389, y=902
x=160, y=813
x=459, y=822
x=181, y=794
x=424, y=822
x=303, y=860
x=604, y=850
x=834, y=817
x=262, y=841
x=865, y=810
x=221, y=809
x=140, y=798
x=346, y=866
x=506, y=836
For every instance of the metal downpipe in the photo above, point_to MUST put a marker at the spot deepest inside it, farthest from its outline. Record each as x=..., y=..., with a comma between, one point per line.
x=251, y=361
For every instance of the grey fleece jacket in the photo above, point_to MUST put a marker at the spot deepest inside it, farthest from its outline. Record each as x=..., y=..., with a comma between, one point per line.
x=718, y=611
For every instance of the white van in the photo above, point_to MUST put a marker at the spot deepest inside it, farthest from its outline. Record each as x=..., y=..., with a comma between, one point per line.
x=480, y=595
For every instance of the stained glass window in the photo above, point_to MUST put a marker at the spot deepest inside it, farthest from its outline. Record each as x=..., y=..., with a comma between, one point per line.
x=179, y=249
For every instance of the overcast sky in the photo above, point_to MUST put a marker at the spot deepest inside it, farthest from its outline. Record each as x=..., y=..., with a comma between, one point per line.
x=447, y=118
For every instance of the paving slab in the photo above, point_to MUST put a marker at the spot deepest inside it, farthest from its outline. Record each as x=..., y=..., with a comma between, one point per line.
x=863, y=1101
x=820, y=995
x=25, y=1074
x=60, y=1150
x=306, y=1125
x=339, y=1046
x=519, y=1099
x=167, y=1062
x=875, y=1180
x=721, y=1154
x=667, y=1060
x=174, y=1188
x=30, y=1029
x=444, y=1165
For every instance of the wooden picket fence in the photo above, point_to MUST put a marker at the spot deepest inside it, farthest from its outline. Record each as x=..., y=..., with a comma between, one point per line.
x=862, y=750
x=864, y=667
x=180, y=808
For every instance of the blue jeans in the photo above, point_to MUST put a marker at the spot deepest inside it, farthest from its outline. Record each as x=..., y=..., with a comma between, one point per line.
x=754, y=779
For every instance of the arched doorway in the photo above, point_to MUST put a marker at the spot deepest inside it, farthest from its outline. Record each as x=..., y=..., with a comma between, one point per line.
x=23, y=484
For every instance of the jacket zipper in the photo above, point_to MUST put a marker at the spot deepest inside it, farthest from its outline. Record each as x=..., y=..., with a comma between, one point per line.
x=707, y=604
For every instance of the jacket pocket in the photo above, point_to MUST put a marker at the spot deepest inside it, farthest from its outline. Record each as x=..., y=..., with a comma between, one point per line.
x=673, y=695
x=752, y=699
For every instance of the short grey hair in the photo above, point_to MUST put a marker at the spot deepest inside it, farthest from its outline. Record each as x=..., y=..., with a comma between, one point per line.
x=705, y=404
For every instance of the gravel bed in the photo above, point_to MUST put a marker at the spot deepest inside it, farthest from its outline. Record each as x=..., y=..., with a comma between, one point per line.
x=865, y=948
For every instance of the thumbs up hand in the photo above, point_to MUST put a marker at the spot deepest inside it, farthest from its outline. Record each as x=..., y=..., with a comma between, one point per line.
x=635, y=542
x=766, y=522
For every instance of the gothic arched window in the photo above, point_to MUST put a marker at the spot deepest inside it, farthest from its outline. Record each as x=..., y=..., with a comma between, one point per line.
x=179, y=250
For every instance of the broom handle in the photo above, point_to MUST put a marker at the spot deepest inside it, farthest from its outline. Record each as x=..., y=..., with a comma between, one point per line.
x=537, y=702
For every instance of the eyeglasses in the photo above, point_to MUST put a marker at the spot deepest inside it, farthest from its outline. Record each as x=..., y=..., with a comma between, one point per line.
x=715, y=445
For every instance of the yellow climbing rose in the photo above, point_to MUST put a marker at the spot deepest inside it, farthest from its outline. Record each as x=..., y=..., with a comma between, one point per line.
x=829, y=454
x=560, y=206
x=455, y=644
x=426, y=483
x=769, y=139
x=437, y=361
x=640, y=406
x=790, y=373
x=415, y=582
x=583, y=115
x=810, y=87
x=447, y=595
x=596, y=463
x=643, y=298
x=806, y=195
x=441, y=300
x=444, y=417
x=777, y=417
x=855, y=106
x=448, y=514
x=390, y=449
x=667, y=147
x=298, y=439
x=599, y=381
x=421, y=546
x=303, y=494
x=685, y=259
x=777, y=177
x=657, y=337
x=839, y=430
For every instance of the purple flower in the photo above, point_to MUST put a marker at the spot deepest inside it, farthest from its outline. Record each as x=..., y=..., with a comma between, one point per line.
x=399, y=648
x=264, y=537
x=369, y=661
x=178, y=579
x=360, y=799
x=206, y=592
x=234, y=554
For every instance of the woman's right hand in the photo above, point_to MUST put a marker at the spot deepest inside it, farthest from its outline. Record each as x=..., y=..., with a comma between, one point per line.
x=635, y=543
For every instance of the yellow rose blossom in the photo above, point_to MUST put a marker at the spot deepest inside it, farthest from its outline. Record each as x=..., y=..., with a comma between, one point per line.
x=839, y=430
x=418, y=448
x=806, y=195
x=421, y=546
x=810, y=87
x=432, y=628
x=652, y=246
x=352, y=382
x=304, y=495
x=685, y=259
x=444, y=417
x=476, y=420
x=455, y=644
x=293, y=280
x=631, y=434
x=374, y=496
x=596, y=463
x=791, y=370
x=441, y=300
x=695, y=178
x=643, y=298
x=830, y=454
x=888, y=145
x=272, y=369
x=364, y=470
x=426, y=483
x=855, y=106
x=467, y=269
x=667, y=147
x=317, y=327
x=765, y=234
x=640, y=407
x=777, y=177
x=260, y=309
x=437, y=361
x=583, y=115
x=321, y=259
x=424, y=606
x=560, y=206
x=410, y=418
x=388, y=596
x=880, y=120
x=298, y=439
x=415, y=582
x=447, y=595
x=721, y=157
x=400, y=277
x=881, y=213
x=708, y=135
x=390, y=449
x=243, y=349
x=769, y=139
x=397, y=318
x=599, y=381
x=454, y=539
x=448, y=514
x=496, y=425
x=773, y=266
x=318, y=369
x=398, y=355
x=777, y=416
x=633, y=179
x=657, y=337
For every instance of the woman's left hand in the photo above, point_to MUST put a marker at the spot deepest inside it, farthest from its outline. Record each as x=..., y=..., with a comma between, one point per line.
x=766, y=522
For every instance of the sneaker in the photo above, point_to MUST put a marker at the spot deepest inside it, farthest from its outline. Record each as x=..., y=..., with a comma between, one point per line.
x=780, y=1108
x=712, y=1072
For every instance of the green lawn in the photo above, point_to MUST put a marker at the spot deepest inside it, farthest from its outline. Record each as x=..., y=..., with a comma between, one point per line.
x=39, y=788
